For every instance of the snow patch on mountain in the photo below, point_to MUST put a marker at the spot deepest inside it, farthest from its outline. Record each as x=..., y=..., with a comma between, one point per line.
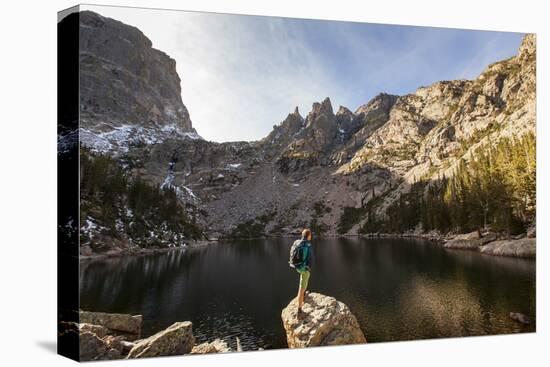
x=122, y=138
x=67, y=141
x=190, y=192
x=182, y=192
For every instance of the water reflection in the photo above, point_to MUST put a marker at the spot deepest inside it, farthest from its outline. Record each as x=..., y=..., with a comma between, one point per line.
x=399, y=289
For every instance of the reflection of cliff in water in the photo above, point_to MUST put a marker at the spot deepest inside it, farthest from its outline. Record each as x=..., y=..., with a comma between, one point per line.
x=127, y=275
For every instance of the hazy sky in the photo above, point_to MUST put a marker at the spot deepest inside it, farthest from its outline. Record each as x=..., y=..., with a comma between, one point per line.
x=243, y=74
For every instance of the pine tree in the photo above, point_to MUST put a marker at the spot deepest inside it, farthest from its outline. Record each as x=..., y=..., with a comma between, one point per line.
x=495, y=188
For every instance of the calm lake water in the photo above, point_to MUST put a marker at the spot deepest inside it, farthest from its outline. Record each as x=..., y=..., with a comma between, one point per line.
x=399, y=289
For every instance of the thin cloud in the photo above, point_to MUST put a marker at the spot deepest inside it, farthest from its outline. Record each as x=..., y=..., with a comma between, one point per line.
x=250, y=73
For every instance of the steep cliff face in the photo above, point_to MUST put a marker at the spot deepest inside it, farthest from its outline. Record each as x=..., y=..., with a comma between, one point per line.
x=425, y=129
x=364, y=122
x=130, y=92
x=430, y=131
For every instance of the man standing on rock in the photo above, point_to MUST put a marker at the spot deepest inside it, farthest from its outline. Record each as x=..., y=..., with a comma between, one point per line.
x=300, y=259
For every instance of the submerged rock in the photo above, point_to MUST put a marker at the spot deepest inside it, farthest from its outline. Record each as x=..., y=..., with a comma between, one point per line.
x=175, y=340
x=323, y=321
x=216, y=346
x=519, y=317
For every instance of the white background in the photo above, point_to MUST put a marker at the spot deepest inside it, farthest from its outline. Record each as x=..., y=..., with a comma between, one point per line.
x=28, y=183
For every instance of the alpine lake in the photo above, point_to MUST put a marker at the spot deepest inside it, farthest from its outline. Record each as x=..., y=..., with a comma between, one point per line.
x=399, y=289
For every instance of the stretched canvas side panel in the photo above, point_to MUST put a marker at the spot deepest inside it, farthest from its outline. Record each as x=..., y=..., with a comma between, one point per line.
x=68, y=183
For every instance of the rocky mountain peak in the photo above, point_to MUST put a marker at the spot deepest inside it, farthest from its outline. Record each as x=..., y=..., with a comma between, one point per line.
x=293, y=122
x=324, y=107
x=129, y=91
x=528, y=45
x=342, y=110
x=382, y=101
x=283, y=133
x=320, y=110
x=345, y=119
x=321, y=124
x=326, y=103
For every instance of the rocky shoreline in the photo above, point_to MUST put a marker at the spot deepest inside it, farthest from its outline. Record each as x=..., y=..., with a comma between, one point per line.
x=323, y=321
x=111, y=336
x=489, y=243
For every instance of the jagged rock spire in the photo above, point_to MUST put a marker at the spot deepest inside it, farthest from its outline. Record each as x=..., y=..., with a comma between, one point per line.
x=528, y=44
x=343, y=110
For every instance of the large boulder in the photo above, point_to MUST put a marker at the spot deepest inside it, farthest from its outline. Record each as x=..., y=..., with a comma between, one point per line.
x=126, y=325
x=93, y=347
x=525, y=247
x=323, y=321
x=98, y=342
x=470, y=241
x=532, y=231
x=175, y=340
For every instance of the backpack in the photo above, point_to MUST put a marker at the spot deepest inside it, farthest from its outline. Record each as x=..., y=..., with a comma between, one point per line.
x=297, y=254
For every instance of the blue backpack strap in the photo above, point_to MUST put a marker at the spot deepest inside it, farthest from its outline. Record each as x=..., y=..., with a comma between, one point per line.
x=306, y=255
